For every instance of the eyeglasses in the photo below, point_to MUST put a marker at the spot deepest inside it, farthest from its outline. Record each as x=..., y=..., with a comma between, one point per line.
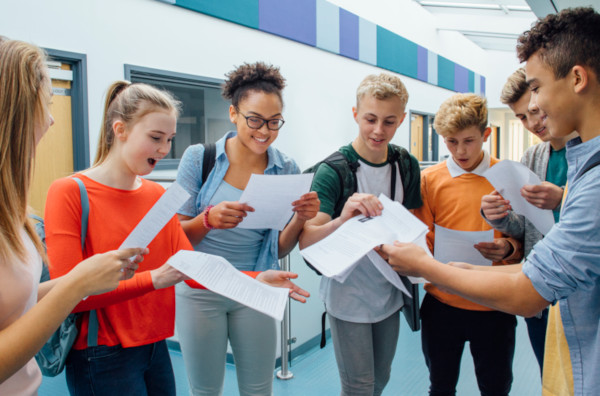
x=255, y=122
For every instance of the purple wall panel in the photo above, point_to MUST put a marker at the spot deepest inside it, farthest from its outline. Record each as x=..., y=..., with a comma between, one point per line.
x=461, y=78
x=422, y=60
x=293, y=19
x=348, y=34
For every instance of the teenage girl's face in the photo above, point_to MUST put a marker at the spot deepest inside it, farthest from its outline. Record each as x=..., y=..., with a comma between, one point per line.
x=46, y=121
x=531, y=116
x=263, y=105
x=147, y=141
x=377, y=122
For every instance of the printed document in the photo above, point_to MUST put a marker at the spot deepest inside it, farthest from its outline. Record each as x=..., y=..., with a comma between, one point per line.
x=508, y=177
x=336, y=255
x=218, y=275
x=163, y=210
x=452, y=245
x=271, y=196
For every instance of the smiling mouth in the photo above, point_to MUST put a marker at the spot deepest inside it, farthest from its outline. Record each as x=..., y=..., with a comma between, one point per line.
x=260, y=140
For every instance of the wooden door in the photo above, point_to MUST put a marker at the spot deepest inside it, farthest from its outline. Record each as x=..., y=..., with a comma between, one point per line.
x=416, y=136
x=54, y=153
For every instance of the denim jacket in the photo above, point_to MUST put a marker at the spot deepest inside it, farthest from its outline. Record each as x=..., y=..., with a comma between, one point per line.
x=189, y=176
x=565, y=265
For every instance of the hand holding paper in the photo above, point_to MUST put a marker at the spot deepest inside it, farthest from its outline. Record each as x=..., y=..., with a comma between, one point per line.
x=271, y=196
x=218, y=275
x=508, y=177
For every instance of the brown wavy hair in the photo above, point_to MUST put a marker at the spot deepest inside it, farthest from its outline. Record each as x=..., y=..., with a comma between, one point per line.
x=26, y=93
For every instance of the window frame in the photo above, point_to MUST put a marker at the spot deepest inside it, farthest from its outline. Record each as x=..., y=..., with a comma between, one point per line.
x=167, y=76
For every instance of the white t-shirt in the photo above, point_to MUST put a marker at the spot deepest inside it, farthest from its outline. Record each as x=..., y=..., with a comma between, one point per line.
x=18, y=293
x=366, y=296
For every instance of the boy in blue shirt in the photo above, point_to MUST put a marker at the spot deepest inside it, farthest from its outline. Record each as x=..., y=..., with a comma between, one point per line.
x=563, y=66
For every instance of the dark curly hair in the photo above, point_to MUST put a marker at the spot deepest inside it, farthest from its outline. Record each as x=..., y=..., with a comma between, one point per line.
x=248, y=77
x=566, y=39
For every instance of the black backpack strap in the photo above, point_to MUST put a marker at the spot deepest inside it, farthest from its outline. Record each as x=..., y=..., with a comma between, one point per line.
x=208, y=160
x=590, y=166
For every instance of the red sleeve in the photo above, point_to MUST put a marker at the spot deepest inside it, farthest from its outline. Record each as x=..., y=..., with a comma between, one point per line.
x=63, y=240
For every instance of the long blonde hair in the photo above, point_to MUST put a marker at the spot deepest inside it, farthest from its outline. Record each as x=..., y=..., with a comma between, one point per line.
x=24, y=99
x=129, y=102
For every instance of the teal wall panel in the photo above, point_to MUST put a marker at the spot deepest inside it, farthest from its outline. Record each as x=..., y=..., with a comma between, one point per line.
x=396, y=53
x=242, y=12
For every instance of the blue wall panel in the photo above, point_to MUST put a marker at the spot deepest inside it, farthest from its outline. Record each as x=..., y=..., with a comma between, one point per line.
x=242, y=12
x=396, y=53
x=348, y=34
x=328, y=26
x=445, y=73
x=331, y=28
x=293, y=19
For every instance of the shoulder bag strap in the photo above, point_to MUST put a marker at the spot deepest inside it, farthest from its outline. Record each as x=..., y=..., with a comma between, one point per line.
x=92, y=339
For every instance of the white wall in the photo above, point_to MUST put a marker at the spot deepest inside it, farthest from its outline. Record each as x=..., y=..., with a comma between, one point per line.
x=321, y=85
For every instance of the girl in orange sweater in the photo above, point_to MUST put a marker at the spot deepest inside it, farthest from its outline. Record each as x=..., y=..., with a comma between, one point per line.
x=131, y=355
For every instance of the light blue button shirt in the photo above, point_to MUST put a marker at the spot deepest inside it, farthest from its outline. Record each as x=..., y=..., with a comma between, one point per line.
x=189, y=176
x=565, y=265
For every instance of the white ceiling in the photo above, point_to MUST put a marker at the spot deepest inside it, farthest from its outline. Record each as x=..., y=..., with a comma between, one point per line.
x=495, y=24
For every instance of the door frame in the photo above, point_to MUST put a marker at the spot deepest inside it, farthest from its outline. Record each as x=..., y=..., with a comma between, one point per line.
x=79, y=105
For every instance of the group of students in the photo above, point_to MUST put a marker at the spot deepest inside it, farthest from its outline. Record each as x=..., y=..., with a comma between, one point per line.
x=132, y=301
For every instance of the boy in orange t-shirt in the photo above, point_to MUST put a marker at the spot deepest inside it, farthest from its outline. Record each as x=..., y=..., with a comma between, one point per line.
x=452, y=191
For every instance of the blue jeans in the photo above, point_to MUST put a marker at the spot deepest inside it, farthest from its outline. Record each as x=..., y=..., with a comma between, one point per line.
x=114, y=370
x=536, y=327
x=364, y=353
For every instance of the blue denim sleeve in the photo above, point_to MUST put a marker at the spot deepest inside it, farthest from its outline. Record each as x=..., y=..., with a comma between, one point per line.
x=568, y=258
x=189, y=176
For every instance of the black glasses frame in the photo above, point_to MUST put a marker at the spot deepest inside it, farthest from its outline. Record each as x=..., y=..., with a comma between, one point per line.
x=263, y=121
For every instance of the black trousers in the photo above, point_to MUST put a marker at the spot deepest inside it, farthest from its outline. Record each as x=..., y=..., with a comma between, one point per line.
x=491, y=336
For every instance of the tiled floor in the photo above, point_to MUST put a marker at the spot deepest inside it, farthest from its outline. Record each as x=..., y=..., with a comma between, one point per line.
x=315, y=372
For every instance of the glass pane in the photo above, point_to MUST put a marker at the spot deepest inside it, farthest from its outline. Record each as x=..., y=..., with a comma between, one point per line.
x=204, y=117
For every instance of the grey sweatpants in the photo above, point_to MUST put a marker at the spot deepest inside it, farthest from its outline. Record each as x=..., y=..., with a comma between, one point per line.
x=205, y=321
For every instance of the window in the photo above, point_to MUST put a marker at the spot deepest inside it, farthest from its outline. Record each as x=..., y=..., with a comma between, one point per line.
x=205, y=113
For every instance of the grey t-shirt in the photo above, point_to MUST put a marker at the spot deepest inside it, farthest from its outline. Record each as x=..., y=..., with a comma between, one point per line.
x=366, y=296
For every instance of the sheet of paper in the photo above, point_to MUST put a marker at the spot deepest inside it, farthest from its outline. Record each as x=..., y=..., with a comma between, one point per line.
x=218, y=275
x=452, y=245
x=335, y=255
x=422, y=242
x=508, y=177
x=159, y=215
x=271, y=196
x=388, y=273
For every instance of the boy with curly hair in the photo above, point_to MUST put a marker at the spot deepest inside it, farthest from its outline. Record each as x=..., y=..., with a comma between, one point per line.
x=563, y=66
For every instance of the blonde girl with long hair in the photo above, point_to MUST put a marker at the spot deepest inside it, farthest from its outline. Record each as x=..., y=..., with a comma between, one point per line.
x=30, y=312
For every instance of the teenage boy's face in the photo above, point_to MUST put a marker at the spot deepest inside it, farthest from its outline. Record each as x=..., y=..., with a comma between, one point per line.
x=552, y=96
x=531, y=116
x=466, y=146
x=377, y=122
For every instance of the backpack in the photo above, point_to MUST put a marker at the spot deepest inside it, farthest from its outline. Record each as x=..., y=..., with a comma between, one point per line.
x=346, y=172
x=53, y=355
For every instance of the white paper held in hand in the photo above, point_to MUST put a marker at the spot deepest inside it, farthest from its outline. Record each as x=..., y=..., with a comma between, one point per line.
x=271, y=196
x=508, y=177
x=157, y=217
x=218, y=275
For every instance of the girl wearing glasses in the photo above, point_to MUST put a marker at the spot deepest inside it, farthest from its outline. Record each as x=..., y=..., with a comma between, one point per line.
x=205, y=320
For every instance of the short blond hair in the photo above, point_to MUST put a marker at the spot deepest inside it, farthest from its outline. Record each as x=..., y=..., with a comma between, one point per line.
x=460, y=112
x=514, y=88
x=382, y=86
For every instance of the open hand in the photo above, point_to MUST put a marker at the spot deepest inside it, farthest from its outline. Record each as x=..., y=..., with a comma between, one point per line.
x=277, y=278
